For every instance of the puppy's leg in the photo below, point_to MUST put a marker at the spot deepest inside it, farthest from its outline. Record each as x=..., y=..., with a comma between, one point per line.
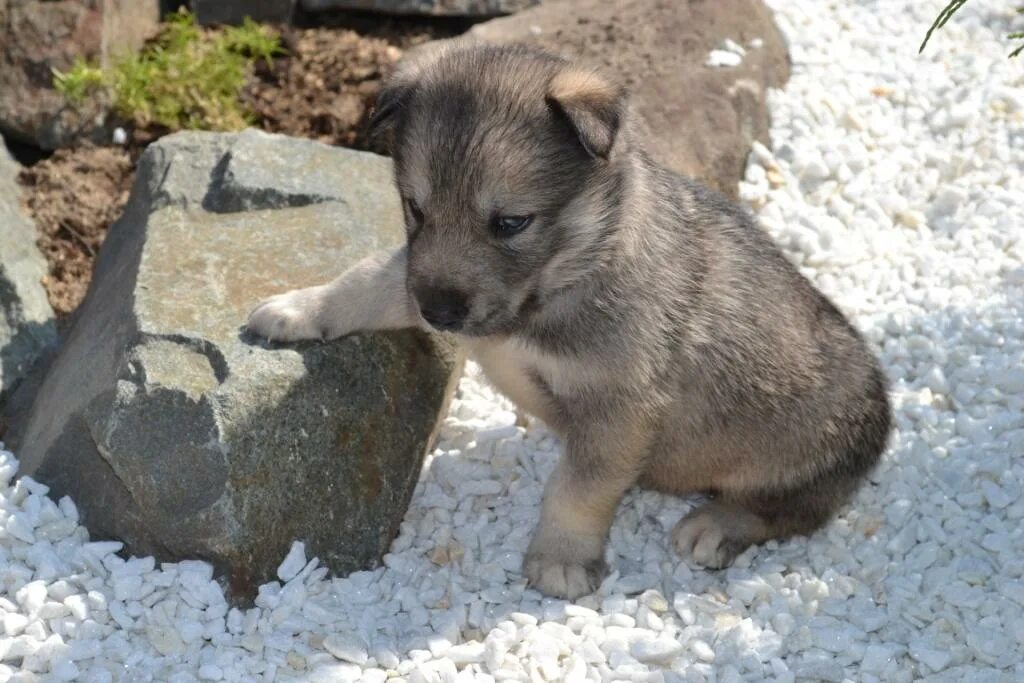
x=566, y=555
x=370, y=295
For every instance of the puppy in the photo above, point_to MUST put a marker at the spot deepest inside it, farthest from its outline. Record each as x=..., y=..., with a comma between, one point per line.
x=646, y=319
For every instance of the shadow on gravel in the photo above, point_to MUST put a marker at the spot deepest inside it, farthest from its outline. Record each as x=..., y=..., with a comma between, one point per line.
x=892, y=529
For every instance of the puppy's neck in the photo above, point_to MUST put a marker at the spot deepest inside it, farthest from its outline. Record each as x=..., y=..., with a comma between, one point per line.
x=606, y=224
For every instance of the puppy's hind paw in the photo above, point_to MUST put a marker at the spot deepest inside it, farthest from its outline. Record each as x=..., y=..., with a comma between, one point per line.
x=713, y=535
x=291, y=316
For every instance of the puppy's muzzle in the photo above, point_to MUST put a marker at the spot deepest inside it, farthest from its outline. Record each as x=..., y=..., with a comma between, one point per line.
x=443, y=309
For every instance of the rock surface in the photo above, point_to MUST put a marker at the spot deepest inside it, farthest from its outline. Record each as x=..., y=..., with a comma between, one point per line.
x=702, y=118
x=467, y=8
x=176, y=432
x=37, y=36
x=235, y=11
x=26, y=319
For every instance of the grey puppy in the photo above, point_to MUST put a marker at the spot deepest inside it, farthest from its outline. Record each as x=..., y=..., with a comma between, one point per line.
x=643, y=317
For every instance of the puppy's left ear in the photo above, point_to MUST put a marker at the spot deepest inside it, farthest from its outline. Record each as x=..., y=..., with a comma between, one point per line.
x=593, y=107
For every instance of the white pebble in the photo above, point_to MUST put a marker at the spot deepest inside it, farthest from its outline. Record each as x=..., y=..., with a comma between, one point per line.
x=702, y=650
x=346, y=648
x=660, y=650
x=210, y=672
x=723, y=58
x=293, y=562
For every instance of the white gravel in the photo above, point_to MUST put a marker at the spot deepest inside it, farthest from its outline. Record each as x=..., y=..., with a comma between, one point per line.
x=729, y=53
x=895, y=182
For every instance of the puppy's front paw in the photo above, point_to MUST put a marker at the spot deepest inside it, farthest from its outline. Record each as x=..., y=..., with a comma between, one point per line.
x=563, y=565
x=562, y=579
x=290, y=316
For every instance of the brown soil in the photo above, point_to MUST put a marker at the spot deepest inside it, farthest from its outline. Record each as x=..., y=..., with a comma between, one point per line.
x=74, y=196
x=327, y=85
x=323, y=88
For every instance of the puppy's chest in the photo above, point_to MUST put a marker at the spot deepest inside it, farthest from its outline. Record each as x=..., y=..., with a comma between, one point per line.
x=534, y=381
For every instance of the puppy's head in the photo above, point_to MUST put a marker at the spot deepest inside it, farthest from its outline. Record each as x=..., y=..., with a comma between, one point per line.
x=506, y=160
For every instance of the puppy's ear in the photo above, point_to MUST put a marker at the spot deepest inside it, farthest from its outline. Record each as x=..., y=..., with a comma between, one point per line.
x=390, y=101
x=399, y=87
x=592, y=106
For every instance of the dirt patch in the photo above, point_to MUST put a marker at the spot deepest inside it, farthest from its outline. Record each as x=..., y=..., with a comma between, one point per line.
x=323, y=88
x=74, y=196
x=326, y=86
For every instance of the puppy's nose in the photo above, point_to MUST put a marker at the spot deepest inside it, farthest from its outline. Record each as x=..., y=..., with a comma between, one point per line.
x=444, y=309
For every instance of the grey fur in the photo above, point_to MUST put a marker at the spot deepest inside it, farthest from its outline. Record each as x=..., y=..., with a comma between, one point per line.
x=645, y=318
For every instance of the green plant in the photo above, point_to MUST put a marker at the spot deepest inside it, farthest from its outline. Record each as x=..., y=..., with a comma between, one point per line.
x=253, y=41
x=187, y=78
x=947, y=13
x=80, y=80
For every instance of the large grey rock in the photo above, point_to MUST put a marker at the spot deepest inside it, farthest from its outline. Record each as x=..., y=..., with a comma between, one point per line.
x=176, y=432
x=467, y=8
x=26, y=319
x=702, y=119
x=235, y=11
x=37, y=36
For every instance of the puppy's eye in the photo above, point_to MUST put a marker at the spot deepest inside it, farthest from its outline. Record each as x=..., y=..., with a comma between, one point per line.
x=413, y=211
x=506, y=226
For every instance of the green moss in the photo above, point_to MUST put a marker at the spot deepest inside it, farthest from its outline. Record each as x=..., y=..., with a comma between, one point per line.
x=187, y=78
x=79, y=81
